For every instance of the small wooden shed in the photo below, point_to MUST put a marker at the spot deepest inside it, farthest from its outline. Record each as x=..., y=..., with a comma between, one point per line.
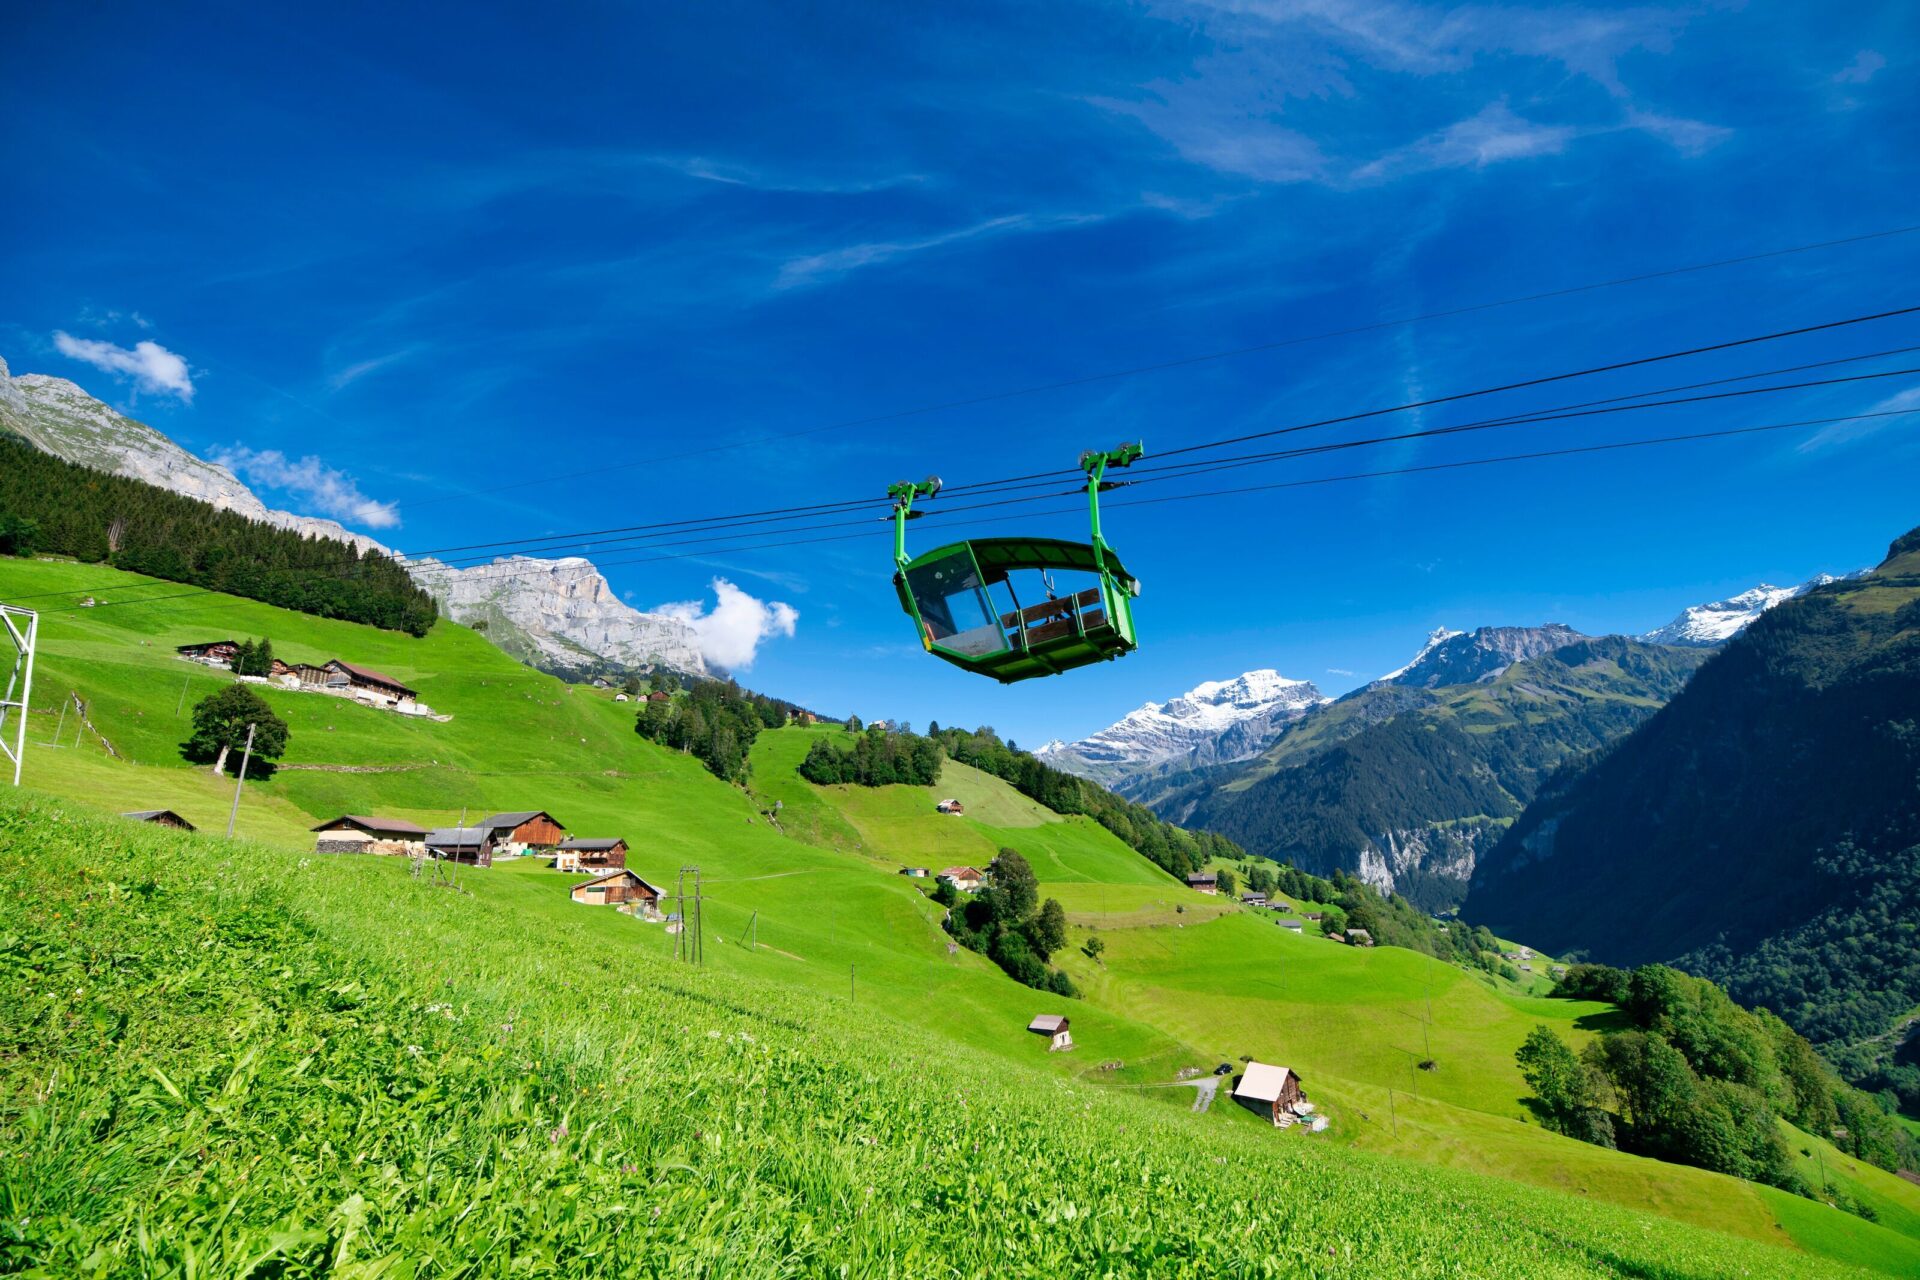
x=1270, y=1091
x=161, y=818
x=360, y=833
x=618, y=888
x=1054, y=1027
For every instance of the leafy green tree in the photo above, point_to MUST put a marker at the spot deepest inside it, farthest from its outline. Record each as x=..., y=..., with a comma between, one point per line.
x=631, y=686
x=1334, y=923
x=854, y=726
x=1048, y=929
x=253, y=658
x=1229, y=882
x=1565, y=1089
x=1014, y=891
x=1093, y=946
x=220, y=723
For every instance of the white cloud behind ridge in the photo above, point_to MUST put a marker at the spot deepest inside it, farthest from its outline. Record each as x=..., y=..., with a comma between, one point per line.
x=152, y=367
x=329, y=491
x=731, y=632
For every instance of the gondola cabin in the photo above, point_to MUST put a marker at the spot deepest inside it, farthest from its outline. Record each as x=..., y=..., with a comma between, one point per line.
x=1016, y=608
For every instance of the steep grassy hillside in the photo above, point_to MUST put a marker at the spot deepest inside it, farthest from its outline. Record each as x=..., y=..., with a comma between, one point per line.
x=231, y=1060
x=1764, y=827
x=821, y=895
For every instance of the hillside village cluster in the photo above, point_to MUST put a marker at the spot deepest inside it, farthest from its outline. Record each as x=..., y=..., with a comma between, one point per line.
x=335, y=676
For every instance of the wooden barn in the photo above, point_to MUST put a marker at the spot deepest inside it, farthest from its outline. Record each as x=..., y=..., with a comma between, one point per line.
x=471, y=845
x=965, y=879
x=1270, y=1091
x=1054, y=1027
x=616, y=889
x=366, y=680
x=590, y=855
x=358, y=833
x=1203, y=882
x=533, y=828
x=950, y=806
x=802, y=717
x=161, y=818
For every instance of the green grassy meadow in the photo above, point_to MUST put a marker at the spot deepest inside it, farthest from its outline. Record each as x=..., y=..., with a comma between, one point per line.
x=983, y=1148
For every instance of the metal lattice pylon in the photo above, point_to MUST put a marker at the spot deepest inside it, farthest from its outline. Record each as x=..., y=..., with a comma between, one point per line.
x=23, y=629
x=687, y=943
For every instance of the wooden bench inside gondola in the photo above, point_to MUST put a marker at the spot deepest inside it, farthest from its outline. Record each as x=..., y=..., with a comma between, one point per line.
x=1052, y=619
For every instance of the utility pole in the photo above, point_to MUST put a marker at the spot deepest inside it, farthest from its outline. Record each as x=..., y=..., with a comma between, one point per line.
x=1394, y=1112
x=687, y=943
x=240, y=782
x=181, y=705
x=23, y=628
x=61, y=727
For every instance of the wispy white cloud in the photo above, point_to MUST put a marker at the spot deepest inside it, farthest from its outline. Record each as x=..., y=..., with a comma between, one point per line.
x=731, y=173
x=151, y=366
x=102, y=317
x=1843, y=433
x=327, y=490
x=354, y=372
x=1493, y=136
x=1341, y=671
x=1865, y=65
x=731, y=632
x=814, y=268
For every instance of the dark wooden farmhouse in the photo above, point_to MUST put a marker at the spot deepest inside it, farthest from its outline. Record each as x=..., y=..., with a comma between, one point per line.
x=357, y=833
x=161, y=818
x=1271, y=1091
x=1203, y=882
x=590, y=855
x=217, y=652
x=618, y=888
x=471, y=845
x=534, y=828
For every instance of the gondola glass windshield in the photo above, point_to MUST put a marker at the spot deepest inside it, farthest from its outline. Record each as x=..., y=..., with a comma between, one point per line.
x=1016, y=608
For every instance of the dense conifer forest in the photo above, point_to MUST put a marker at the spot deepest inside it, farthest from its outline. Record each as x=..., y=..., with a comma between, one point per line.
x=49, y=505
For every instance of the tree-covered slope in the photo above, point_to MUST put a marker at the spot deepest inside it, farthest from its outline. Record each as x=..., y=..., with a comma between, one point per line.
x=1764, y=828
x=1409, y=787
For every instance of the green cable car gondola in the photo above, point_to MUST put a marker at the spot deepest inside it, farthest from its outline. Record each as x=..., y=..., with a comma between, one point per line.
x=967, y=609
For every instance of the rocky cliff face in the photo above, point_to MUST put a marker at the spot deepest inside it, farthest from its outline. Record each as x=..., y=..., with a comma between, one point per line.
x=1212, y=723
x=1473, y=657
x=559, y=615
x=58, y=417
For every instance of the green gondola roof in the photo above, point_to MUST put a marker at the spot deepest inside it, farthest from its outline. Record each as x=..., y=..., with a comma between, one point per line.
x=1002, y=554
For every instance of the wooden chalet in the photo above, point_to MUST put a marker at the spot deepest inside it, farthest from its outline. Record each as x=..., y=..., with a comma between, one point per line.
x=590, y=855
x=1270, y=1091
x=358, y=833
x=161, y=818
x=621, y=888
x=1359, y=938
x=1054, y=1027
x=217, y=653
x=1254, y=899
x=802, y=718
x=366, y=680
x=950, y=806
x=1203, y=882
x=965, y=879
x=471, y=845
x=533, y=828
x=659, y=696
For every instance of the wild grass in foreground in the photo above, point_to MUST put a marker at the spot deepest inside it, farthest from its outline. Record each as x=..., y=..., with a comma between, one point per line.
x=226, y=1060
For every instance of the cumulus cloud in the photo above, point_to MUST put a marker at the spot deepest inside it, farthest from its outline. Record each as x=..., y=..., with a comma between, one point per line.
x=151, y=366
x=730, y=633
x=327, y=490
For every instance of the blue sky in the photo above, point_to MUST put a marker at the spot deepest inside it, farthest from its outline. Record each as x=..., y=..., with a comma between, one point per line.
x=408, y=262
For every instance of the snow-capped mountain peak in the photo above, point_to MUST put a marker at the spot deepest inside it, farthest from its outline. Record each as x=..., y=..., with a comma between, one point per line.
x=1702, y=626
x=1214, y=721
x=1435, y=638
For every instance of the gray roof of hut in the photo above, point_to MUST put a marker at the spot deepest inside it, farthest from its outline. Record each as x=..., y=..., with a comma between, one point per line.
x=509, y=821
x=154, y=815
x=445, y=836
x=397, y=826
x=1048, y=1022
x=591, y=846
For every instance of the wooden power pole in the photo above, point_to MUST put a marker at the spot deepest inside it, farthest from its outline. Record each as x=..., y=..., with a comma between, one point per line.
x=240, y=782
